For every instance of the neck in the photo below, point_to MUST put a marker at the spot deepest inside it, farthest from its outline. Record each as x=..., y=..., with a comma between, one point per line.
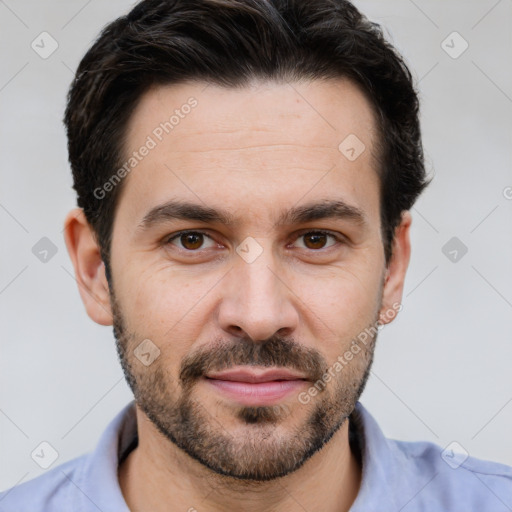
x=157, y=474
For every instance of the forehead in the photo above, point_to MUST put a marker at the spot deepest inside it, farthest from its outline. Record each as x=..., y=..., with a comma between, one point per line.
x=321, y=109
x=250, y=149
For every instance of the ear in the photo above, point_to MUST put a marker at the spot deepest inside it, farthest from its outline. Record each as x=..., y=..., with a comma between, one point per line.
x=89, y=267
x=396, y=270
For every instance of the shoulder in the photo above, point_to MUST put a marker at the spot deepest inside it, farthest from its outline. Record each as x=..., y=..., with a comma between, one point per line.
x=423, y=476
x=50, y=492
x=452, y=478
x=86, y=483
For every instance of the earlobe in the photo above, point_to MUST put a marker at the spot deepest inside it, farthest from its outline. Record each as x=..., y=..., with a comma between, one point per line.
x=89, y=267
x=396, y=270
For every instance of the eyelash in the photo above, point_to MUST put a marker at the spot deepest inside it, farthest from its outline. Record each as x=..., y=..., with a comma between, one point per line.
x=338, y=238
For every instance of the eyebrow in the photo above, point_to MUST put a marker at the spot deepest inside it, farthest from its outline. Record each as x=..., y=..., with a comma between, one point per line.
x=184, y=210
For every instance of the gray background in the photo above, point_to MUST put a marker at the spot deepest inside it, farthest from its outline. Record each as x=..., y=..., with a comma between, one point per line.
x=443, y=368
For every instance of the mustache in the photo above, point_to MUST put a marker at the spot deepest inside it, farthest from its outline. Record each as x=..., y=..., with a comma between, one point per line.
x=275, y=351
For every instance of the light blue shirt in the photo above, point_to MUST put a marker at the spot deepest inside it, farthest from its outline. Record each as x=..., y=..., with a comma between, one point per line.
x=397, y=476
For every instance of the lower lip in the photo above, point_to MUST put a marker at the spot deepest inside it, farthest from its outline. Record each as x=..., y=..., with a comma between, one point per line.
x=257, y=393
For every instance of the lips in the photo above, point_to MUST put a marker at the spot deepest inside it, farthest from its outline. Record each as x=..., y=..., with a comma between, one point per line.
x=255, y=375
x=256, y=386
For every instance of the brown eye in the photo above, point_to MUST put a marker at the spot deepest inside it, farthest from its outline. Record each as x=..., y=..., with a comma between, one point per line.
x=317, y=240
x=192, y=241
x=189, y=240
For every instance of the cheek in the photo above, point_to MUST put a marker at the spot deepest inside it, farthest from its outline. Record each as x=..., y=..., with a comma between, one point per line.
x=345, y=306
x=167, y=308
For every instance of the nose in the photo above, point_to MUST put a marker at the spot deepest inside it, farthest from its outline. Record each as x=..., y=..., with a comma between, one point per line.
x=257, y=301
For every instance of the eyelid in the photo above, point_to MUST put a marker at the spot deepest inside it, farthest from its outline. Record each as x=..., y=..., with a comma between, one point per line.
x=304, y=231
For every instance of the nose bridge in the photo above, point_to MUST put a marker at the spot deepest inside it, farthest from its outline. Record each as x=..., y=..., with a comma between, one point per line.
x=257, y=301
x=259, y=285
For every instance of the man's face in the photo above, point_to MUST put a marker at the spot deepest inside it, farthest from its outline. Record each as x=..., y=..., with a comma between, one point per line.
x=228, y=302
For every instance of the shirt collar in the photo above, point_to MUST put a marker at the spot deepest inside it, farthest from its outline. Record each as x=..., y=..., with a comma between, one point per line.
x=100, y=488
x=378, y=464
x=99, y=481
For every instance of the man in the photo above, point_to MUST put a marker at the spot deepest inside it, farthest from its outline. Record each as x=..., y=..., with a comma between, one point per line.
x=244, y=172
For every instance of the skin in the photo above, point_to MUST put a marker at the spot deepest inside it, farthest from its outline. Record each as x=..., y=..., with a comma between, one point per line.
x=256, y=152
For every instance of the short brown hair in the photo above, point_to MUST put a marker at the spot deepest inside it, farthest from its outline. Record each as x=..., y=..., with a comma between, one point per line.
x=229, y=43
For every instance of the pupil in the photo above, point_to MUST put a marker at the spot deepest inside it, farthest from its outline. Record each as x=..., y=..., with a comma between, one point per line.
x=317, y=239
x=189, y=240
